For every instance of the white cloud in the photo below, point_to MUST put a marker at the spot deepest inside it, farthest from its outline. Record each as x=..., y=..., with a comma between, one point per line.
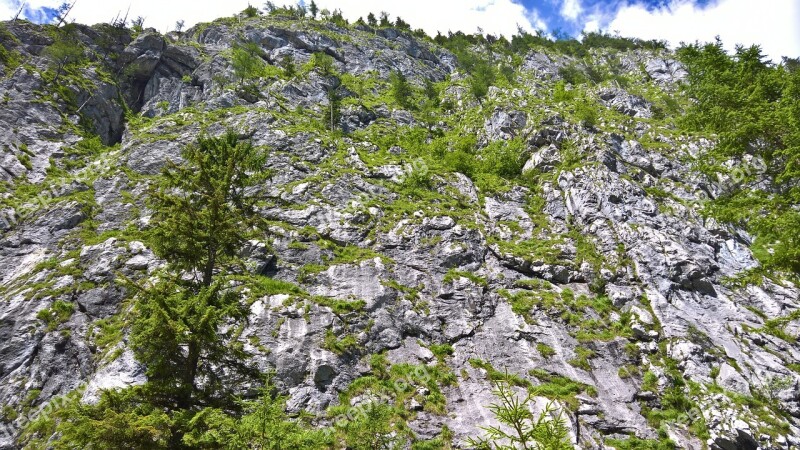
x=6, y=11
x=493, y=16
x=591, y=26
x=571, y=9
x=774, y=24
x=536, y=20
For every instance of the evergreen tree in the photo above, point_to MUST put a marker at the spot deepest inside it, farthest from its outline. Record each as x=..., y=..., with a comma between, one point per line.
x=65, y=51
x=246, y=61
x=371, y=20
x=376, y=426
x=137, y=24
x=483, y=76
x=334, y=105
x=401, y=24
x=201, y=219
x=251, y=11
x=185, y=326
x=313, y=9
x=385, y=19
x=520, y=429
x=401, y=89
x=287, y=64
x=752, y=105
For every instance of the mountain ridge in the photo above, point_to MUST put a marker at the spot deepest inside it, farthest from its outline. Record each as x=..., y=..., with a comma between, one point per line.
x=442, y=205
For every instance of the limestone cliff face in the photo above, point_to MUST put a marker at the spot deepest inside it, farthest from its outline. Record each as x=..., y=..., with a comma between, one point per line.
x=590, y=263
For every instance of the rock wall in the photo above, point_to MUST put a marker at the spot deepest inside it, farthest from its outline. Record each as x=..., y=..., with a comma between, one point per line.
x=594, y=266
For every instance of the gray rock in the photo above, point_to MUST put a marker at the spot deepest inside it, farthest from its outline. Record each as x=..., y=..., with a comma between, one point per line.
x=626, y=103
x=429, y=271
x=504, y=125
x=732, y=380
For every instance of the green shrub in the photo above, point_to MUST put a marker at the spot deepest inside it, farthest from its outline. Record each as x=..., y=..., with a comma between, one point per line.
x=751, y=104
x=346, y=345
x=586, y=112
x=251, y=11
x=483, y=76
x=545, y=350
x=246, y=61
x=560, y=92
x=572, y=75
x=519, y=425
x=322, y=63
x=58, y=313
x=401, y=89
x=503, y=158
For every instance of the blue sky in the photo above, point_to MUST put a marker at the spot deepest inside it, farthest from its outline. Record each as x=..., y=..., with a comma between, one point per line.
x=570, y=17
x=774, y=24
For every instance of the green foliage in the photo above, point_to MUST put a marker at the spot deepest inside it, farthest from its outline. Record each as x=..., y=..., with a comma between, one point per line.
x=441, y=351
x=401, y=89
x=586, y=112
x=382, y=421
x=503, y=158
x=347, y=344
x=202, y=218
x=558, y=387
x=483, y=75
x=545, y=350
x=8, y=414
x=341, y=307
x=289, y=69
x=264, y=426
x=58, y=313
x=582, y=357
x=453, y=274
x=122, y=420
x=65, y=51
x=377, y=426
x=650, y=382
x=519, y=428
x=246, y=61
x=313, y=9
x=251, y=11
x=8, y=57
x=560, y=92
x=572, y=75
x=186, y=325
x=322, y=63
x=635, y=443
x=261, y=286
x=25, y=160
x=602, y=40
x=201, y=213
x=334, y=105
x=752, y=105
x=777, y=326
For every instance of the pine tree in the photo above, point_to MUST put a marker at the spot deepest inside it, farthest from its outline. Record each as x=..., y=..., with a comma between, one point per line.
x=313, y=9
x=65, y=51
x=401, y=89
x=246, y=61
x=385, y=19
x=752, y=105
x=520, y=429
x=185, y=325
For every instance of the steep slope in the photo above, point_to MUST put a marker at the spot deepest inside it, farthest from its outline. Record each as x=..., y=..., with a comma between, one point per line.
x=550, y=229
